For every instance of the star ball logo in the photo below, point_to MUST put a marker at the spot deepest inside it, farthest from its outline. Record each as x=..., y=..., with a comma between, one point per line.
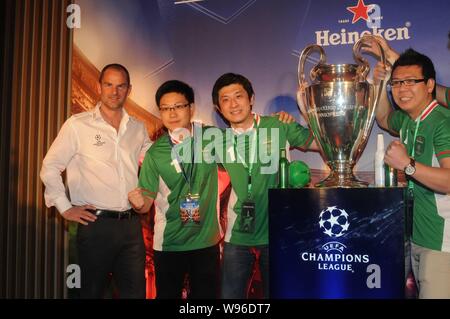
x=333, y=221
x=360, y=11
x=335, y=256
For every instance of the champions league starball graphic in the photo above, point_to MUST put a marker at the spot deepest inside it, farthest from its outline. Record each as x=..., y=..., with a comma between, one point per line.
x=333, y=221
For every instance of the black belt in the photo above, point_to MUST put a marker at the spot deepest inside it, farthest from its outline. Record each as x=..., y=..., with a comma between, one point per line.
x=127, y=214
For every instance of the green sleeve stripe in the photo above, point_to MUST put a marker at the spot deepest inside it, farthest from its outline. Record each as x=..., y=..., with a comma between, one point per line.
x=443, y=154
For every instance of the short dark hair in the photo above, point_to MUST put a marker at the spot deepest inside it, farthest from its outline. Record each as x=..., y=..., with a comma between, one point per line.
x=228, y=79
x=115, y=66
x=412, y=57
x=175, y=86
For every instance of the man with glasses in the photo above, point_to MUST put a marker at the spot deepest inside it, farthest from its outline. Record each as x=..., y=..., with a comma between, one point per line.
x=423, y=153
x=184, y=189
x=100, y=150
x=442, y=92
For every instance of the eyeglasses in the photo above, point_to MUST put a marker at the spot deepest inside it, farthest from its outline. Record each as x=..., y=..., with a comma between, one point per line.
x=176, y=107
x=406, y=82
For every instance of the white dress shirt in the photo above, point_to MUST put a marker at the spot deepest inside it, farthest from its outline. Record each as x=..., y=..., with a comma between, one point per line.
x=101, y=163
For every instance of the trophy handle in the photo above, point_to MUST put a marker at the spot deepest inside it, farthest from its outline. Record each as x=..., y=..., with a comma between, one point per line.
x=364, y=64
x=301, y=62
x=365, y=68
x=301, y=93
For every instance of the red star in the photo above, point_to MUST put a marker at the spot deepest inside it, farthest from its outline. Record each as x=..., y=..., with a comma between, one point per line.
x=359, y=11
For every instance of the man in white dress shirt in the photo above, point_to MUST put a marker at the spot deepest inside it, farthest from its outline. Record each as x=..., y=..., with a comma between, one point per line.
x=100, y=151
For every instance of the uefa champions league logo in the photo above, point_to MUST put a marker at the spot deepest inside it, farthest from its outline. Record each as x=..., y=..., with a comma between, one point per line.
x=333, y=221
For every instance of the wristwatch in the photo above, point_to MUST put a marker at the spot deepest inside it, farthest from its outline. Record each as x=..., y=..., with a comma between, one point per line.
x=410, y=169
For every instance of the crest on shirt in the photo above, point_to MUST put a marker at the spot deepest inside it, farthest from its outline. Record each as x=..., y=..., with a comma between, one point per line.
x=419, y=146
x=98, y=139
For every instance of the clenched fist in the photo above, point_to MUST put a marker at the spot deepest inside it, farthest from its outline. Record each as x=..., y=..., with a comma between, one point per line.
x=396, y=155
x=136, y=199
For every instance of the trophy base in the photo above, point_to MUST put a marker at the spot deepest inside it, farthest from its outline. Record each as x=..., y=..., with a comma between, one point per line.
x=337, y=180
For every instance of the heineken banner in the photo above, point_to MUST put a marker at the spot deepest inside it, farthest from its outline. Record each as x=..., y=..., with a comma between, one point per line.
x=196, y=41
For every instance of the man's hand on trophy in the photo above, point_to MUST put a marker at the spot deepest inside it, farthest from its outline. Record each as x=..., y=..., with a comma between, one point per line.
x=381, y=72
x=396, y=155
x=284, y=117
x=372, y=47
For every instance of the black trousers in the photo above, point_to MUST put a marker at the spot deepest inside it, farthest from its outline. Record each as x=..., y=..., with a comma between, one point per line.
x=114, y=246
x=201, y=265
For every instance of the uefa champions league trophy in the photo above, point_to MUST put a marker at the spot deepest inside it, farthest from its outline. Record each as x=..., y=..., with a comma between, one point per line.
x=339, y=107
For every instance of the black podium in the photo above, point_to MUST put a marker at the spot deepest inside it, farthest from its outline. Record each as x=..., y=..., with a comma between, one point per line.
x=337, y=242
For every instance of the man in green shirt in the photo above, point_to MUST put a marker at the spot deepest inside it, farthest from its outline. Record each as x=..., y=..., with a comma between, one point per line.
x=250, y=155
x=185, y=193
x=423, y=153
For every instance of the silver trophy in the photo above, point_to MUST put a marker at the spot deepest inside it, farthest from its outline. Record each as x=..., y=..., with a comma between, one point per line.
x=339, y=106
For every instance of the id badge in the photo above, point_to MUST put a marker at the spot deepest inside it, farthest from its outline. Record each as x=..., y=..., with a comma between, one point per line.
x=190, y=210
x=247, y=224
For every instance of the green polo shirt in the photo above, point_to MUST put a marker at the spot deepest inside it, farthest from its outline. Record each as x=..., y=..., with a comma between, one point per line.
x=163, y=181
x=269, y=135
x=431, y=221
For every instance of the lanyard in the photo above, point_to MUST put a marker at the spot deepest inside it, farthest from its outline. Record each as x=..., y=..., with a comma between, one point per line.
x=252, y=149
x=414, y=138
x=188, y=179
x=413, y=151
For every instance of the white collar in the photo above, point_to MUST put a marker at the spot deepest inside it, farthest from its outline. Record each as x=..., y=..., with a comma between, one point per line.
x=427, y=111
x=178, y=135
x=96, y=115
x=239, y=131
